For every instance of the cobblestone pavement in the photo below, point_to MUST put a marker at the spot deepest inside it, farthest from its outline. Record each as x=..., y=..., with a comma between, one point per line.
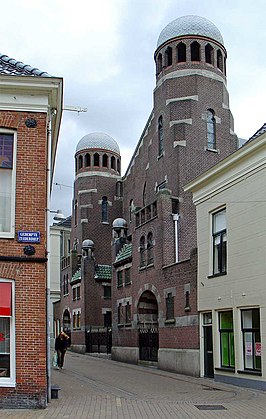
x=101, y=388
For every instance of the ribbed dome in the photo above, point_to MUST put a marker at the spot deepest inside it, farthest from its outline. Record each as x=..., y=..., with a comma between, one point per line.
x=98, y=140
x=190, y=25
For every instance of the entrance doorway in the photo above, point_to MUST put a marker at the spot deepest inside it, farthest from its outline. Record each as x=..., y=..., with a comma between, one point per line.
x=208, y=345
x=148, y=327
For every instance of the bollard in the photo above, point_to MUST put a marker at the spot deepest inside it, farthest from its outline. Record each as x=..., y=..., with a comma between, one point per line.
x=54, y=391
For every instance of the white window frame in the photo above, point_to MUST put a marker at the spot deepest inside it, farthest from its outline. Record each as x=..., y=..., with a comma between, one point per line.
x=211, y=252
x=11, y=381
x=11, y=233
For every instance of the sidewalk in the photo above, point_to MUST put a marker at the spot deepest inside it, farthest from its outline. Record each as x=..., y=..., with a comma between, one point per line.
x=101, y=388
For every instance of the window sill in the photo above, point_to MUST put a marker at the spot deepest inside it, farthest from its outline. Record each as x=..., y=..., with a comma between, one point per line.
x=227, y=369
x=216, y=275
x=160, y=156
x=120, y=325
x=212, y=150
x=128, y=283
x=170, y=321
x=105, y=223
x=128, y=324
x=250, y=372
x=120, y=286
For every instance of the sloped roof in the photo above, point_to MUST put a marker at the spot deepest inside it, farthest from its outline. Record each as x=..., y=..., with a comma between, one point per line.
x=12, y=67
x=65, y=223
x=260, y=131
x=124, y=253
x=103, y=272
x=76, y=277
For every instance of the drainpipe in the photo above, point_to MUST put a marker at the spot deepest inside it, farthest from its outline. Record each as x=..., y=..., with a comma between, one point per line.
x=48, y=251
x=175, y=219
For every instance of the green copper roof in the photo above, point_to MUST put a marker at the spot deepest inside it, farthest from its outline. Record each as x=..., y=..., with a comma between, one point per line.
x=103, y=272
x=125, y=252
x=76, y=276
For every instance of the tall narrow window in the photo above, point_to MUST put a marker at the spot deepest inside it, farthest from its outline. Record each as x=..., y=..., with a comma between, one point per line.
x=211, y=130
x=227, y=348
x=87, y=160
x=128, y=313
x=195, y=51
x=181, y=52
x=96, y=160
x=169, y=56
x=131, y=210
x=104, y=209
x=169, y=306
x=159, y=63
x=105, y=160
x=219, y=242
x=144, y=194
x=209, y=54
x=80, y=162
x=127, y=276
x=76, y=212
x=113, y=162
x=7, y=192
x=219, y=60
x=142, y=251
x=251, y=339
x=150, y=248
x=118, y=165
x=160, y=135
x=119, y=279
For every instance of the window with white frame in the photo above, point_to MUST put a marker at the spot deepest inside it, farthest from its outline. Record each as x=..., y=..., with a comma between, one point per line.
x=251, y=339
x=7, y=183
x=219, y=242
x=7, y=334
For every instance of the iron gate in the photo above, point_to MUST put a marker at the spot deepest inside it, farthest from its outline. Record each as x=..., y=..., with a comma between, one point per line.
x=148, y=344
x=99, y=339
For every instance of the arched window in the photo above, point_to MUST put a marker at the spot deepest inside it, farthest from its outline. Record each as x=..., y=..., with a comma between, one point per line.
x=104, y=209
x=144, y=195
x=168, y=56
x=195, y=51
x=113, y=162
x=181, y=52
x=209, y=54
x=150, y=248
x=87, y=160
x=159, y=63
x=66, y=283
x=219, y=60
x=131, y=209
x=160, y=135
x=80, y=165
x=119, y=189
x=96, y=160
x=118, y=165
x=211, y=131
x=76, y=164
x=105, y=160
x=142, y=251
x=76, y=212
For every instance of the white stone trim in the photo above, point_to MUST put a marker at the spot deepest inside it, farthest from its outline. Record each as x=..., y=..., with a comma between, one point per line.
x=180, y=99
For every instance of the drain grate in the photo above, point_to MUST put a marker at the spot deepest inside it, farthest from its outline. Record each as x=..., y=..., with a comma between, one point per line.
x=210, y=407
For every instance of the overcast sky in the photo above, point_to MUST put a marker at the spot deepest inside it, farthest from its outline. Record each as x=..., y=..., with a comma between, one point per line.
x=104, y=51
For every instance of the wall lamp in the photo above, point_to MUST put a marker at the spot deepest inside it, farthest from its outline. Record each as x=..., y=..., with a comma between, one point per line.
x=59, y=215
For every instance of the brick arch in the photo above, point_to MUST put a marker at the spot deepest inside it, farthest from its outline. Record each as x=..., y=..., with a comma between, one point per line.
x=151, y=288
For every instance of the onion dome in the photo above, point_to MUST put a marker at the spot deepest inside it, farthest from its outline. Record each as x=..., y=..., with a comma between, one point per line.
x=88, y=244
x=119, y=223
x=190, y=25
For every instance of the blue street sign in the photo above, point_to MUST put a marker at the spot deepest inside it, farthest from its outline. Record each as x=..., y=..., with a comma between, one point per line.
x=29, y=236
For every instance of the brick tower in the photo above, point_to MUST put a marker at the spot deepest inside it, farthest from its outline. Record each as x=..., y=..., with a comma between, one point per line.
x=86, y=300
x=189, y=130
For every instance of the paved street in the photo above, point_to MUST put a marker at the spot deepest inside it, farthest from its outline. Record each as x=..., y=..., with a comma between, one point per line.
x=100, y=388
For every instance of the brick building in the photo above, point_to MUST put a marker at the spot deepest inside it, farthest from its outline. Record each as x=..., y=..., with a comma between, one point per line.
x=189, y=130
x=30, y=115
x=154, y=248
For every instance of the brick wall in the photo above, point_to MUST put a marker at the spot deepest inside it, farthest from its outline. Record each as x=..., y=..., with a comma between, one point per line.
x=29, y=277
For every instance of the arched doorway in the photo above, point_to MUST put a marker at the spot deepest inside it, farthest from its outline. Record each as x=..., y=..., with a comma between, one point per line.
x=67, y=325
x=148, y=327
